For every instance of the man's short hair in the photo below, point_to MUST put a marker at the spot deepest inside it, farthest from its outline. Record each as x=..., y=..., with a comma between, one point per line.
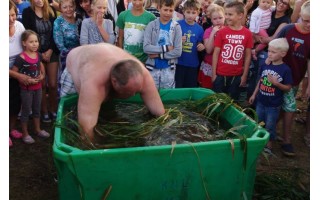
x=280, y=43
x=239, y=6
x=167, y=3
x=124, y=70
x=191, y=4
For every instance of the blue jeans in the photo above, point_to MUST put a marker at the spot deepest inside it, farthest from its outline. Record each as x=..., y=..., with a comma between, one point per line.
x=228, y=85
x=269, y=115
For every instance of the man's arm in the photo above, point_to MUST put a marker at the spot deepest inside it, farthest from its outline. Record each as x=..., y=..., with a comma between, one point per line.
x=89, y=103
x=151, y=97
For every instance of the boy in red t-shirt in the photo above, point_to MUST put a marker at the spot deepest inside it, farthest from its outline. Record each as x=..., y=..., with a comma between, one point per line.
x=232, y=53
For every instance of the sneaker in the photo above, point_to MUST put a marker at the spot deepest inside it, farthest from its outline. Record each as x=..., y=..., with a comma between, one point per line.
x=279, y=139
x=53, y=116
x=16, y=134
x=28, y=139
x=287, y=150
x=45, y=118
x=43, y=134
x=10, y=142
x=268, y=151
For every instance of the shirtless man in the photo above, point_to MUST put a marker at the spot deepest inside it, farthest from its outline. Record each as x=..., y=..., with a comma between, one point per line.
x=102, y=71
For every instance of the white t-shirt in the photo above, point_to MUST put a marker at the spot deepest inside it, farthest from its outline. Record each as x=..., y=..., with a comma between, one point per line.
x=15, y=46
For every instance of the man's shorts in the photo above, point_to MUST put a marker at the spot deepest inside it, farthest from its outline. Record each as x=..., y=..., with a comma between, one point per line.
x=67, y=85
x=289, y=100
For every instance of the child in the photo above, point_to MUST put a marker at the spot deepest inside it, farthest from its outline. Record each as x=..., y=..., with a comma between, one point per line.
x=192, y=34
x=29, y=63
x=298, y=59
x=151, y=6
x=162, y=44
x=203, y=18
x=260, y=21
x=96, y=29
x=216, y=14
x=275, y=80
x=232, y=53
x=132, y=24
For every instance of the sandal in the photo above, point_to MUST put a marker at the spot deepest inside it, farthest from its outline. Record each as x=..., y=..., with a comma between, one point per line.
x=43, y=134
x=16, y=134
x=28, y=139
x=301, y=120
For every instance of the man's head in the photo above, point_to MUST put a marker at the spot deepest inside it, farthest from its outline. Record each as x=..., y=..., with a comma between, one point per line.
x=305, y=16
x=127, y=78
x=278, y=49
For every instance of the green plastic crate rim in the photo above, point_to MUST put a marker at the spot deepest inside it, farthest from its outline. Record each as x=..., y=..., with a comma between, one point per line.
x=79, y=178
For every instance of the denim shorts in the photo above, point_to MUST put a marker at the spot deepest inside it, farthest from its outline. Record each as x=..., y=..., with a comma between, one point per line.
x=268, y=115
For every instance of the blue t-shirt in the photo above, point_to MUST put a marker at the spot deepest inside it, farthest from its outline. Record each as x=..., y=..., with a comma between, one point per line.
x=270, y=95
x=163, y=40
x=20, y=8
x=194, y=33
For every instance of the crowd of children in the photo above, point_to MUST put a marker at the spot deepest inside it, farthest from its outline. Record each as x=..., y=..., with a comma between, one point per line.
x=190, y=43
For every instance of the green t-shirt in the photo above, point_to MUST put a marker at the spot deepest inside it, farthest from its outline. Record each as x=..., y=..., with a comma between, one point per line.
x=134, y=27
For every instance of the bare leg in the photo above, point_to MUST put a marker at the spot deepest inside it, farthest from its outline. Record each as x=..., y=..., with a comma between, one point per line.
x=52, y=74
x=12, y=122
x=36, y=122
x=24, y=127
x=287, y=125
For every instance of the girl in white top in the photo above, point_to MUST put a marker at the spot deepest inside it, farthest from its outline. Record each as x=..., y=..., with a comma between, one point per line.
x=260, y=21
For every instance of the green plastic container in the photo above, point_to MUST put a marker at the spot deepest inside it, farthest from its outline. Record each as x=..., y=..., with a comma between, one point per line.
x=206, y=170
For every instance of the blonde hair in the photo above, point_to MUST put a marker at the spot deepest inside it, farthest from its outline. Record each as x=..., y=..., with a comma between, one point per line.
x=149, y=3
x=46, y=9
x=213, y=7
x=305, y=8
x=280, y=44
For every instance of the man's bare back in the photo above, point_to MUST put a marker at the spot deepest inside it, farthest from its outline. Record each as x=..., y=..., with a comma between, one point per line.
x=90, y=68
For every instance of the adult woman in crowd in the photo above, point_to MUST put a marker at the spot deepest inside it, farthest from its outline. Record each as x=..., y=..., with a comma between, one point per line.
x=40, y=17
x=280, y=17
x=83, y=8
x=15, y=31
x=66, y=30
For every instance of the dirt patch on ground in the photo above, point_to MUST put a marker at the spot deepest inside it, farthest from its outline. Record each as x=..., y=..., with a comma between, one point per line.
x=33, y=175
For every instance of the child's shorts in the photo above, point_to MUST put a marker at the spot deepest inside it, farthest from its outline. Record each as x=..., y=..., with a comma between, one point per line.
x=289, y=101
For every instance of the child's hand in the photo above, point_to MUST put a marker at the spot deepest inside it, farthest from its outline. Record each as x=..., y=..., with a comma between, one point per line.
x=272, y=79
x=251, y=99
x=215, y=29
x=184, y=39
x=200, y=47
x=267, y=61
x=40, y=77
x=214, y=76
x=170, y=48
x=99, y=19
